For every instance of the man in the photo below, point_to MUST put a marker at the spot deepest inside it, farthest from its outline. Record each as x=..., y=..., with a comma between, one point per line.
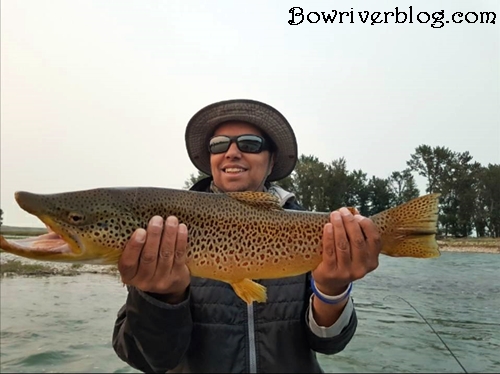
x=174, y=322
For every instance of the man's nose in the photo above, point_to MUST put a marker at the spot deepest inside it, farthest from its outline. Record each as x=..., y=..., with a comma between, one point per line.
x=233, y=151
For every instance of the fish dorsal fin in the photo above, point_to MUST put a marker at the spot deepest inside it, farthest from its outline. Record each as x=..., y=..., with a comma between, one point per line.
x=262, y=200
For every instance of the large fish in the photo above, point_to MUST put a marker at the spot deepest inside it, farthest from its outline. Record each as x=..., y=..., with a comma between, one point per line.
x=233, y=237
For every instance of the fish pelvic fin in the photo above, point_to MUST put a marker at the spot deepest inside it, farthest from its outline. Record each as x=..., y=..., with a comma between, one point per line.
x=250, y=291
x=409, y=230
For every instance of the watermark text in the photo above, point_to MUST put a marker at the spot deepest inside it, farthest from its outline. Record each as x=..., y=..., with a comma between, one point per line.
x=437, y=19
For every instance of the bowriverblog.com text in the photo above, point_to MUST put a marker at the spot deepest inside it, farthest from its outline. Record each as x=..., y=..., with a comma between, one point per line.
x=437, y=19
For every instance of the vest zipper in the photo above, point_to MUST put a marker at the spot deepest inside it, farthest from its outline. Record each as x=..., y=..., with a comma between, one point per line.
x=251, y=340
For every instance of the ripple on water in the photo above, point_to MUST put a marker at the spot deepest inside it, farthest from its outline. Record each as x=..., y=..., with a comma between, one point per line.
x=42, y=359
x=19, y=335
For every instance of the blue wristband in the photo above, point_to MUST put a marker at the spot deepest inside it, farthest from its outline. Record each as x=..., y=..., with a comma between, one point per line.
x=332, y=300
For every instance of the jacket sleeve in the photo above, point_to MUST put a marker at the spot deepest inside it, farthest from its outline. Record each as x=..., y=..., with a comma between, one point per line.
x=334, y=344
x=150, y=335
x=337, y=327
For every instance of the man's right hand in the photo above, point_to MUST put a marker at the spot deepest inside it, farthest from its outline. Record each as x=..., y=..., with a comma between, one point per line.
x=154, y=261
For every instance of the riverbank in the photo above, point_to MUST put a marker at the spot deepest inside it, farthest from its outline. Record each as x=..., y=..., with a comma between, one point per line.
x=11, y=265
x=472, y=245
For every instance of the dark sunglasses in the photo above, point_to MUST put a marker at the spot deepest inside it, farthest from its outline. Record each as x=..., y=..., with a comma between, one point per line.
x=245, y=143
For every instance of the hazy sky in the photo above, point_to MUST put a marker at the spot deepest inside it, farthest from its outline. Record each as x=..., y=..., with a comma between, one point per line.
x=98, y=93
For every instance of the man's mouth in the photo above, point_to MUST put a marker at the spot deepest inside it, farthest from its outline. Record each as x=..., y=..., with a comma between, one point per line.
x=233, y=170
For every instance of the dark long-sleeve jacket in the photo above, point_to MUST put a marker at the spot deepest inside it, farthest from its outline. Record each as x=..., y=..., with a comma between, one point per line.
x=213, y=330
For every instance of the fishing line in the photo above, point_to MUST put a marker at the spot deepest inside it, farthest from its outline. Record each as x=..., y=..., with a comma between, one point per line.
x=432, y=328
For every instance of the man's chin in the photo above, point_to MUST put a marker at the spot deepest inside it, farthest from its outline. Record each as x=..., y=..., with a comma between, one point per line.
x=234, y=186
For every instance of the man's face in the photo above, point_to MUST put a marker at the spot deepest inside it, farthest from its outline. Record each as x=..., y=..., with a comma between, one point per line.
x=235, y=170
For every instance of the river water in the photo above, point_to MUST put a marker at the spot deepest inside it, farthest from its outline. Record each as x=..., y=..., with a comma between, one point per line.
x=64, y=324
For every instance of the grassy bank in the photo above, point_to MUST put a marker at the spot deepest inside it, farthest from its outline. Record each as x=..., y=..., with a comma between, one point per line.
x=477, y=245
x=470, y=242
x=16, y=267
x=11, y=265
x=22, y=231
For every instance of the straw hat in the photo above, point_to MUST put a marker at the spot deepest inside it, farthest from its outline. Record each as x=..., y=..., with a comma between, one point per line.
x=271, y=122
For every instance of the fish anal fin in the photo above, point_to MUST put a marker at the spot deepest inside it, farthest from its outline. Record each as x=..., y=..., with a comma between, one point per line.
x=249, y=291
x=264, y=200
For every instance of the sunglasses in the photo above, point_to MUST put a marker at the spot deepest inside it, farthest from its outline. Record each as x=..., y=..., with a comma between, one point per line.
x=245, y=143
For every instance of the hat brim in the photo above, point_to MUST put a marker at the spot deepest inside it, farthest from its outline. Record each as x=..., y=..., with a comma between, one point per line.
x=271, y=122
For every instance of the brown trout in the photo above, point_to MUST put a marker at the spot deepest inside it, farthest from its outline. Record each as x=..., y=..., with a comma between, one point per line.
x=233, y=237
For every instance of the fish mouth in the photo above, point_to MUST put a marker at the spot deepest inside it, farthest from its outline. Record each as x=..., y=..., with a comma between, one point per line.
x=62, y=243
x=50, y=243
x=56, y=245
x=53, y=246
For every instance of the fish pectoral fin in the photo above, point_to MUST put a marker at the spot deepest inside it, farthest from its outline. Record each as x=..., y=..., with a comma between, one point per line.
x=249, y=291
x=263, y=200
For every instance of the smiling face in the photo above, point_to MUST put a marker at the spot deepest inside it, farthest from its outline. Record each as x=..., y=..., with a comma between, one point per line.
x=237, y=171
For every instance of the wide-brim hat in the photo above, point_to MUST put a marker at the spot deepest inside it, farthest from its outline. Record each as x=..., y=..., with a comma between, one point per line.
x=271, y=122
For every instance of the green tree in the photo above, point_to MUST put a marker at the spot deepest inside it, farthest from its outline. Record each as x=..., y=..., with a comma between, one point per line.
x=403, y=186
x=431, y=163
x=380, y=195
x=463, y=189
x=487, y=218
x=308, y=180
x=336, y=188
x=458, y=186
x=447, y=172
x=358, y=192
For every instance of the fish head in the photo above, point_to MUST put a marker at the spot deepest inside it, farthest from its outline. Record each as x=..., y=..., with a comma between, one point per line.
x=84, y=226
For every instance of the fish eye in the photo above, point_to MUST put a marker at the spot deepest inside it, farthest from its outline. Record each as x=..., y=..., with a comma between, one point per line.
x=76, y=218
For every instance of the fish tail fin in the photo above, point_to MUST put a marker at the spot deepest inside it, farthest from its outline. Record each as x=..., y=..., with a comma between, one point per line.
x=409, y=230
x=250, y=291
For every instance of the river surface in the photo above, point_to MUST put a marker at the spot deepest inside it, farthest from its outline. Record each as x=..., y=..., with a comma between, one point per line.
x=64, y=324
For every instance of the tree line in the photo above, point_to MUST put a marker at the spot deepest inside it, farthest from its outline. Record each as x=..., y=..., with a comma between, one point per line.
x=470, y=192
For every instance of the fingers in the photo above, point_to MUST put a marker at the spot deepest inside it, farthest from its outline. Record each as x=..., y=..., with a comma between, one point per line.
x=329, y=254
x=357, y=240
x=149, y=254
x=129, y=260
x=333, y=273
x=140, y=265
x=364, y=241
x=181, y=247
x=351, y=245
x=371, y=233
x=155, y=260
x=342, y=246
x=373, y=241
x=167, y=249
